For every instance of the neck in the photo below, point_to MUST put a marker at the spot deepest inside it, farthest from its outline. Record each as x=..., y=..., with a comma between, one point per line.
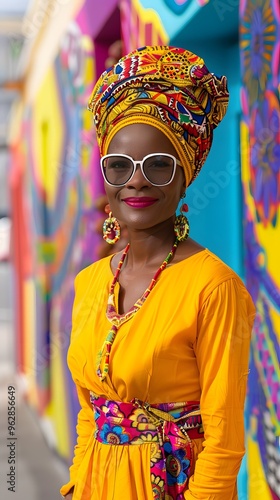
x=149, y=248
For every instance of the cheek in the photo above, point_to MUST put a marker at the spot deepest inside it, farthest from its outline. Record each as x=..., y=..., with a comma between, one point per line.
x=110, y=192
x=179, y=185
x=182, y=180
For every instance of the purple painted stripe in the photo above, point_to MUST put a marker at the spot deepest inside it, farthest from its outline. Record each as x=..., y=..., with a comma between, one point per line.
x=93, y=16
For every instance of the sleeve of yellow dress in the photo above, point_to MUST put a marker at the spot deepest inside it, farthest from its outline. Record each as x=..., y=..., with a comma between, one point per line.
x=85, y=420
x=85, y=427
x=222, y=350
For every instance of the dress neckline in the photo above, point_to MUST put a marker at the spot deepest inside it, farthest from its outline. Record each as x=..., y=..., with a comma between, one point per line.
x=171, y=265
x=117, y=319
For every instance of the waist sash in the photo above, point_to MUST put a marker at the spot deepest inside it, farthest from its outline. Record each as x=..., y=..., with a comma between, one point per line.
x=168, y=428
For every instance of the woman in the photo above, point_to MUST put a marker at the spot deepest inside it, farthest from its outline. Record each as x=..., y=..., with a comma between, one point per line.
x=161, y=331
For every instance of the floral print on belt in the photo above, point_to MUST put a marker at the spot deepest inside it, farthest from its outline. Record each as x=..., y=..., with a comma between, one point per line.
x=168, y=428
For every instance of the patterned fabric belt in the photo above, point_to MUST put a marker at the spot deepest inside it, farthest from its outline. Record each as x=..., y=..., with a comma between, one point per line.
x=168, y=427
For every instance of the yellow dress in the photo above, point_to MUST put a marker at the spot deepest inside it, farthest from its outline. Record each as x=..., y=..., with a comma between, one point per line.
x=189, y=341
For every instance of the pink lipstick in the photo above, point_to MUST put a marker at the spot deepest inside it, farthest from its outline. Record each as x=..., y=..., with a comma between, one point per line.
x=139, y=201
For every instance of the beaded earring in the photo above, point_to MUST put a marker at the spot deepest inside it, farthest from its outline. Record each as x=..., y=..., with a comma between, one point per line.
x=111, y=229
x=181, y=224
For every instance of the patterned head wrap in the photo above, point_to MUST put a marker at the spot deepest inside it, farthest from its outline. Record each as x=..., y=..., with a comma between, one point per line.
x=169, y=88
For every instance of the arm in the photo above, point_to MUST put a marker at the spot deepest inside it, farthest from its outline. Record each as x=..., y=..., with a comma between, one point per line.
x=85, y=429
x=222, y=350
x=85, y=419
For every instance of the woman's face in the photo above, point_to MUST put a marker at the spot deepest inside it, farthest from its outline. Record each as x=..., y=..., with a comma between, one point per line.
x=138, y=203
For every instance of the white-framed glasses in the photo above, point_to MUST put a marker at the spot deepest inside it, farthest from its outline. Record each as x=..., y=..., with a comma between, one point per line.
x=157, y=168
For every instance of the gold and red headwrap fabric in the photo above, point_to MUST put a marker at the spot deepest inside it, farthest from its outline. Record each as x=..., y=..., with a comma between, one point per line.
x=169, y=88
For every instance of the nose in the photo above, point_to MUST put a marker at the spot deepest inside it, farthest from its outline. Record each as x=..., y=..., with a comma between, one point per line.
x=138, y=181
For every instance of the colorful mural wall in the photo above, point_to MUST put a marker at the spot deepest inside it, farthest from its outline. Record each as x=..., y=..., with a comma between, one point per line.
x=260, y=149
x=71, y=209
x=56, y=188
x=154, y=22
x=54, y=214
x=141, y=26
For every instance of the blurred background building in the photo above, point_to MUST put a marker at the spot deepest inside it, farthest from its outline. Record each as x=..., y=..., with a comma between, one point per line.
x=51, y=193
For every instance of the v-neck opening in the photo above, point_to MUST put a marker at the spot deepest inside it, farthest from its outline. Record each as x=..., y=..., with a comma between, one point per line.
x=117, y=285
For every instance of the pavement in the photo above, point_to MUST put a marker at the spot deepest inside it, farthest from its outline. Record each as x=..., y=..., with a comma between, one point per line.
x=28, y=466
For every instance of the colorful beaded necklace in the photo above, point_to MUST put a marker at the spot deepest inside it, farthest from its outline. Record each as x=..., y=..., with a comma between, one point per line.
x=118, y=319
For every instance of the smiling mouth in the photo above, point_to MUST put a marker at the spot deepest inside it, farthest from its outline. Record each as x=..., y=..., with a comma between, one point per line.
x=139, y=202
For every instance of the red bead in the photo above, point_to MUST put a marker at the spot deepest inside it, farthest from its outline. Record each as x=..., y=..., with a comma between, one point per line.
x=184, y=208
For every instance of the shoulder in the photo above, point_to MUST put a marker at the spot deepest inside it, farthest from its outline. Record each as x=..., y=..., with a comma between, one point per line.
x=216, y=269
x=206, y=267
x=200, y=261
x=100, y=269
x=220, y=283
x=204, y=272
x=212, y=271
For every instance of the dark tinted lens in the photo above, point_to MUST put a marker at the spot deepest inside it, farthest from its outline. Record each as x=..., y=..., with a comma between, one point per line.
x=117, y=170
x=159, y=169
